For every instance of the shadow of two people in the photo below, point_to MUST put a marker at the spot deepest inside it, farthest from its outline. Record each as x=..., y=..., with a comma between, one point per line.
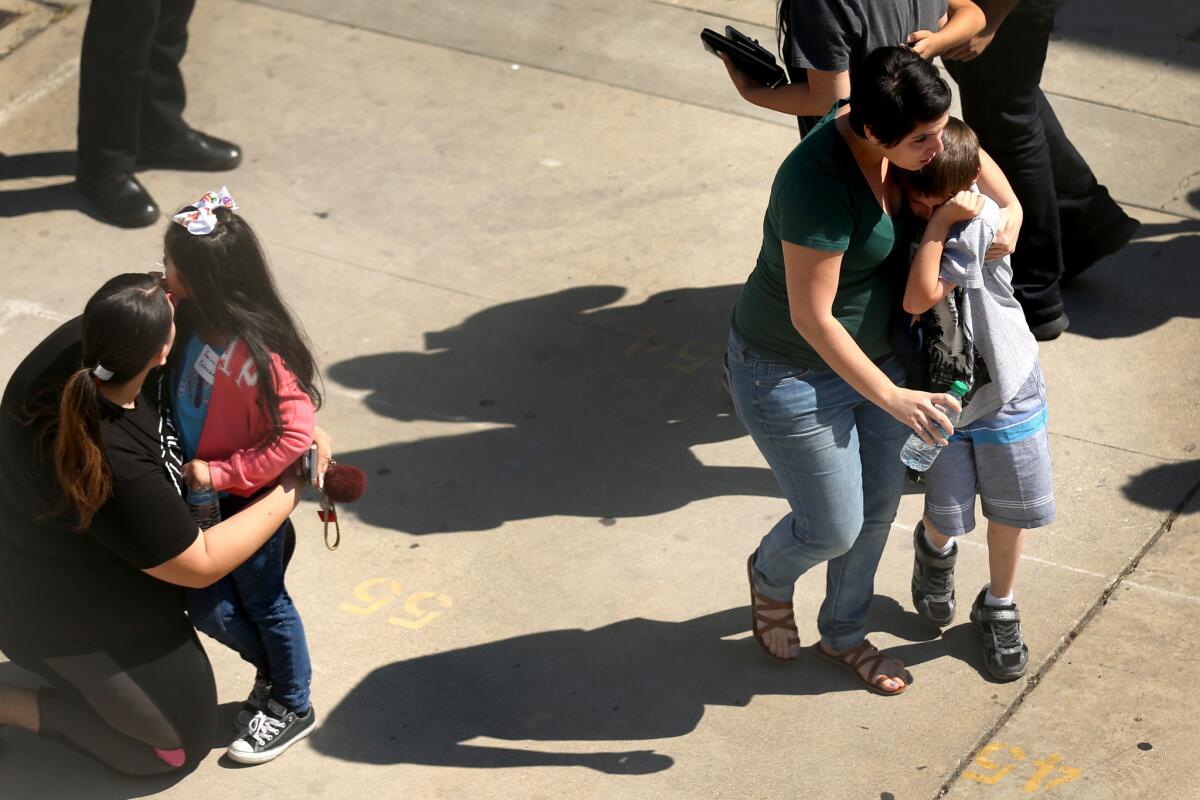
x=577, y=407
x=633, y=680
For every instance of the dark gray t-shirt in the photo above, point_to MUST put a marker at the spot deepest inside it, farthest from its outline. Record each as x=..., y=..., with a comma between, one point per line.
x=834, y=35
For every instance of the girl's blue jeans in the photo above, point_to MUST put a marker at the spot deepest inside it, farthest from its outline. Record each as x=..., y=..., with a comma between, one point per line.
x=250, y=611
x=836, y=457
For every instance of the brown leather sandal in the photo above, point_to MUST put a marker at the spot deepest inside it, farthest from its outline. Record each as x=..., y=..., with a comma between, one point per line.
x=866, y=654
x=760, y=602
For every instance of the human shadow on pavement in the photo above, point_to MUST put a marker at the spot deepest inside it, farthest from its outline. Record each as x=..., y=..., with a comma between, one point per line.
x=581, y=408
x=1161, y=33
x=1164, y=487
x=59, y=196
x=1140, y=288
x=633, y=680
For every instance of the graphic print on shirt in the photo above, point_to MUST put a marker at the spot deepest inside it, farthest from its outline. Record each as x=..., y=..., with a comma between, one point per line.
x=194, y=378
x=951, y=345
x=171, y=450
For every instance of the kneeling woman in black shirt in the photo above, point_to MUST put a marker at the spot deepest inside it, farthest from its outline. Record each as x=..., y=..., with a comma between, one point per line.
x=98, y=544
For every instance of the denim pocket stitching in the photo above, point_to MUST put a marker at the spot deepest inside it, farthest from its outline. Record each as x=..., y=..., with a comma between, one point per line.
x=777, y=373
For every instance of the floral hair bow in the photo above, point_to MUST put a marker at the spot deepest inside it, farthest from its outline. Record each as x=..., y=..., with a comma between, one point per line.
x=203, y=220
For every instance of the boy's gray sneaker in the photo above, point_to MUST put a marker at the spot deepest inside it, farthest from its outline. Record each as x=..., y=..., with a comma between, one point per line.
x=270, y=732
x=1004, y=652
x=932, y=580
x=255, y=703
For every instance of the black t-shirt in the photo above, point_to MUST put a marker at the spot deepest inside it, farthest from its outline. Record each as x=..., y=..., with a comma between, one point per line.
x=65, y=591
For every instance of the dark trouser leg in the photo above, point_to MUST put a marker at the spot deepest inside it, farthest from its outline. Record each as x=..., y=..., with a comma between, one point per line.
x=1000, y=99
x=1087, y=213
x=129, y=705
x=113, y=67
x=163, y=96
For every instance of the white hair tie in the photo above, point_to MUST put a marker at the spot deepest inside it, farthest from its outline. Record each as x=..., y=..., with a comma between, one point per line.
x=103, y=374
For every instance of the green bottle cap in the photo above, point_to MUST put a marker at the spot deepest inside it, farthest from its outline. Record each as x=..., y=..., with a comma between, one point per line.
x=960, y=389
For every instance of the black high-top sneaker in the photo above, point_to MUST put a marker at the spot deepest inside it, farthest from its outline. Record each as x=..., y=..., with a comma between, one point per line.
x=933, y=580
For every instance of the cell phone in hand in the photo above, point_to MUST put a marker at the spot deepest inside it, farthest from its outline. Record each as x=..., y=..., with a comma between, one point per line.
x=308, y=463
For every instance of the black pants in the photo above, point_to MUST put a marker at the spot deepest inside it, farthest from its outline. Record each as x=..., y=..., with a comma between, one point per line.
x=125, y=703
x=131, y=91
x=1063, y=203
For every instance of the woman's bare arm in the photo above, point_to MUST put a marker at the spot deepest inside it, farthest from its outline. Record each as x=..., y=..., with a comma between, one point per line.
x=964, y=20
x=811, y=99
x=812, y=280
x=217, y=551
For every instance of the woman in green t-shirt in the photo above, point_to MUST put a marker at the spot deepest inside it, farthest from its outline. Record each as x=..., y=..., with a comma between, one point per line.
x=811, y=371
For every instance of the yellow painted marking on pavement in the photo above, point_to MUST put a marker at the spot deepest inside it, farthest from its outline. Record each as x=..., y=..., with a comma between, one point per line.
x=646, y=344
x=370, y=604
x=421, y=616
x=687, y=356
x=422, y=608
x=994, y=770
x=1066, y=774
x=984, y=761
x=1045, y=768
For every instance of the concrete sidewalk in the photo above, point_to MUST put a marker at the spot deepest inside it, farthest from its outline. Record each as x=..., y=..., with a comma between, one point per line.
x=514, y=231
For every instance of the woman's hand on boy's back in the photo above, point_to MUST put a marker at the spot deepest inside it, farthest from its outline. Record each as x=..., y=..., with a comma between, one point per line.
x=196, y=475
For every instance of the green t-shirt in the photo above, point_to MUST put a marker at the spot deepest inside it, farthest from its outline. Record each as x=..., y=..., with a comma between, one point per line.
x=820, y=199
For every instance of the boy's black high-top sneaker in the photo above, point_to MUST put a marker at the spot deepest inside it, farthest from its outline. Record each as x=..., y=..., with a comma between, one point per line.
x=270, y=732
x=933, y=580
x=1004, y=652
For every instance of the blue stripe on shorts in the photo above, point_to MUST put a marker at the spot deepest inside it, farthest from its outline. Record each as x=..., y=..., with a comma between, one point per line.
x=981, y=433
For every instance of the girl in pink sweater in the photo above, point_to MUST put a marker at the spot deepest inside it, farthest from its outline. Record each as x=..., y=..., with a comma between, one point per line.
x=244, y=404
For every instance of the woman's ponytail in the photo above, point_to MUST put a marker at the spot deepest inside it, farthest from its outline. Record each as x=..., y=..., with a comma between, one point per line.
x=125, y=326
x=79, y=460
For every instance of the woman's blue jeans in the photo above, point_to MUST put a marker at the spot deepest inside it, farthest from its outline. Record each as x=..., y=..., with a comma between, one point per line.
x=251, y=612
x=836, y=457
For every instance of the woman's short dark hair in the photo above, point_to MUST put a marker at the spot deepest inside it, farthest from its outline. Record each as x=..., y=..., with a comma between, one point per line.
x=893, y=91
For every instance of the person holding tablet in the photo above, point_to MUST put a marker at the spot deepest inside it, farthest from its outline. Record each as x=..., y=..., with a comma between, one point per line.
x=823, y=40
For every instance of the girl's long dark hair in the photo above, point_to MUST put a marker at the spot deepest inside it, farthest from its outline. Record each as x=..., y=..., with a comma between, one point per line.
x=232, y=292
x=125, y=324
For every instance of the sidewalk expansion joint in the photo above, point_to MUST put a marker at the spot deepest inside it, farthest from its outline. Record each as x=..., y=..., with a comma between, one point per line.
x=706, y=12
x=1114, y=107
x=585, y=322
x=785, y=122
x=22, y=21
x=1157, y=210
x=1065, y=642
x=1119, y=449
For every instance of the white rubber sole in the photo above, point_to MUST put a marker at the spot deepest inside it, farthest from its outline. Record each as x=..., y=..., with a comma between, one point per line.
x=267, y=755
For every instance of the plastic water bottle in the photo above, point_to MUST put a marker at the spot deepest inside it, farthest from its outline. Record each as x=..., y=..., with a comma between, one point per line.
x=916, y=453
x=205, y=506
